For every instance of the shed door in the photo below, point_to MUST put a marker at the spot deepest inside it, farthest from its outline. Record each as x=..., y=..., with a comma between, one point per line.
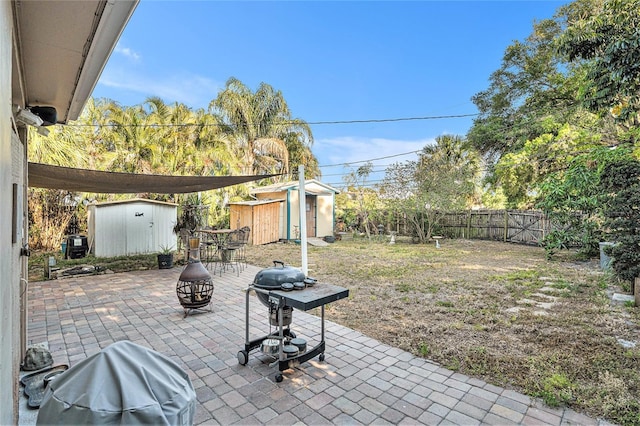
x=311, y=215
x=139, y=228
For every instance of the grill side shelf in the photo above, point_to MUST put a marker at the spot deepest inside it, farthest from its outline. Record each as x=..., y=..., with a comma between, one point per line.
x=312, y=297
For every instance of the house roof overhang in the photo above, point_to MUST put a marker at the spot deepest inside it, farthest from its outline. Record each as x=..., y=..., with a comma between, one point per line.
x=60, y=49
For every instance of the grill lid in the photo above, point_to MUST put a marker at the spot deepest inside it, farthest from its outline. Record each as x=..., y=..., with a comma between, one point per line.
x=272, y=278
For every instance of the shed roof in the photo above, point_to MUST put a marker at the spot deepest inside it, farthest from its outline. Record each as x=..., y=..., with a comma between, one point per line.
x=254, y=202
x=285, y=186
x=133, y=200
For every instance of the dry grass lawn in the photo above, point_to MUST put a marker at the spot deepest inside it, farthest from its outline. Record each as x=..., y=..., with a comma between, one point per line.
x=491, y=310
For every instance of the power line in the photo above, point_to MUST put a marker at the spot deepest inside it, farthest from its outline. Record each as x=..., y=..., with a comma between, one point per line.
x=390, y=120
x=285, y=122
x=372, y=159
x=376, y=170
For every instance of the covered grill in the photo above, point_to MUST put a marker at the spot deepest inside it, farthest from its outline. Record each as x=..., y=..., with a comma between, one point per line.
x=125, y=383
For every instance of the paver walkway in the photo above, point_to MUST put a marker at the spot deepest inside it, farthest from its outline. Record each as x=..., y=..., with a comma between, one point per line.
x=361, y=380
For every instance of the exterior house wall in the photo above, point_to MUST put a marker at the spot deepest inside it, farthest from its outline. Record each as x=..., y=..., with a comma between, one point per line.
x=131, y=227
x=12, y=236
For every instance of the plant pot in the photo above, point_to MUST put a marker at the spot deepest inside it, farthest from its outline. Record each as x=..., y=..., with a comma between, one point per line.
x=165, y=261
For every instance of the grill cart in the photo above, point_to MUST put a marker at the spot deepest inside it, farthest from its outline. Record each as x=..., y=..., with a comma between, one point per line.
x=282, y=289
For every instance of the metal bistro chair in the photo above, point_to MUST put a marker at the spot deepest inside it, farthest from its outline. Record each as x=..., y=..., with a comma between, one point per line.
x=229, y=252
x=241, y=244
x=208, y=249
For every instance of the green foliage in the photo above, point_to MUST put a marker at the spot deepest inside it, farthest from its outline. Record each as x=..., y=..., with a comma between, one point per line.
x=520, y=91
x=557, y=240
x=424, y=349
x=573, y=201
x=621, y=184
x=192, y=216
x=556, y=389
x=607, y=38
x=50, y=211
x=156, y=138
x=264, y=132
x=357, y=207
x=531, y=124
x=444, y=178
x=166, y=249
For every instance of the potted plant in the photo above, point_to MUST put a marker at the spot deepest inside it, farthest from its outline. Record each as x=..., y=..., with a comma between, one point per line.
x=190, y=220
x=165, y=257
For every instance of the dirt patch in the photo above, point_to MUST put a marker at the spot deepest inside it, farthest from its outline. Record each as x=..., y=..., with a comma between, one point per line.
x=496, y=311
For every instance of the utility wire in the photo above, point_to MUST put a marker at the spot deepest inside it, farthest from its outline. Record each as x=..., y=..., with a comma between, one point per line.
x=286, y=122
x=372, y=159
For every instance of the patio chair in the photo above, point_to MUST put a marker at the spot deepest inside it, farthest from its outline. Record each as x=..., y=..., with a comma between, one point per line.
x=229, y=252
x=241, y=244
x=209, y=250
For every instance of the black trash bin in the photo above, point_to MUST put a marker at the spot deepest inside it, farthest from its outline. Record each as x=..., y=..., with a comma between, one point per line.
x=77, y=247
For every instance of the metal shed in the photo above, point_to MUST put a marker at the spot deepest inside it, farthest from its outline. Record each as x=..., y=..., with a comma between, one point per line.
x=135, y=226
x=262, y=216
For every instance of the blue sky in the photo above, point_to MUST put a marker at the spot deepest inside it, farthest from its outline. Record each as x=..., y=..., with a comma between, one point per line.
x=333, y=61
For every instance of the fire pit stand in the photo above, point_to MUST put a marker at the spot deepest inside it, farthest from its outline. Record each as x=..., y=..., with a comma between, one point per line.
x=282, y=301
x=195, y=287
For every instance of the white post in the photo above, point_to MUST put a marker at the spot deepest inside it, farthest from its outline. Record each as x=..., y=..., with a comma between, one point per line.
x=303, y=218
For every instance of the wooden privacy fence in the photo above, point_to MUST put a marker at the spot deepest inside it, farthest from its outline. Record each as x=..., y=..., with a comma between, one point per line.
x=516, y=226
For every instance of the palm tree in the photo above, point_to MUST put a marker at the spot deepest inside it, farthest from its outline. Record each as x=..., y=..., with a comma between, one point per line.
x=259, y=124
x=449, y=170
x=299, y=149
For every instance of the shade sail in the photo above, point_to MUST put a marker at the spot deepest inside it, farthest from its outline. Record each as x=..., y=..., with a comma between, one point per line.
x=82, y=180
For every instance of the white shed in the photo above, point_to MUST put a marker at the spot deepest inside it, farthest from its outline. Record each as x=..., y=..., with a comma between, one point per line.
x=135, y=226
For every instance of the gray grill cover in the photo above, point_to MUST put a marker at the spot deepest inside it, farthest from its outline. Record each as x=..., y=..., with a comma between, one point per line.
x=123, y=384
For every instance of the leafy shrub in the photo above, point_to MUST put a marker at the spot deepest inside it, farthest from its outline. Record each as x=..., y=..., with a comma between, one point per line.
x=620, y=183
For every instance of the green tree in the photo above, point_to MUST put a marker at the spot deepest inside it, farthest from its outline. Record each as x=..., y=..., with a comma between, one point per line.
x=444, y=178
x=573, y=201
x=531, y=123
x=365, y=199
x=607, y=37
x=260, y=123
x=621, y=185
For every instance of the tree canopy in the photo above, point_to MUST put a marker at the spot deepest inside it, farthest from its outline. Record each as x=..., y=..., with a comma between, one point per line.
x=444, y=178
x=243, y=132
x=538, y=112
x=607, y=39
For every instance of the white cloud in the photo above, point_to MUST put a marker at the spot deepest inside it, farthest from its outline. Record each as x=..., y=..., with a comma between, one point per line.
x=127, y=52
x=193, y=90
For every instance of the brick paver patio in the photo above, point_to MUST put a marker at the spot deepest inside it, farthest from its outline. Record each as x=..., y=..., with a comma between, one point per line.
x=361, y=380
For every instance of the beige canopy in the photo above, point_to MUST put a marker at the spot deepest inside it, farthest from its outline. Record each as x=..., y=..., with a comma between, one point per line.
x=81, y=180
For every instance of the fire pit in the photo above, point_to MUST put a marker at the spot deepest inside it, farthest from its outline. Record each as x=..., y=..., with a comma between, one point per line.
x=194, y=288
